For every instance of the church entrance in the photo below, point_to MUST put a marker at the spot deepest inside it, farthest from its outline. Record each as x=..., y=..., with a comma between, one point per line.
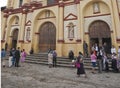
x=14, y=38
x=47, y=38
x=99, y=32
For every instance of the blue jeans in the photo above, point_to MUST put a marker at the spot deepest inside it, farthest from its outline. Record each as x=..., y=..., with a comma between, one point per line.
x=13, y=61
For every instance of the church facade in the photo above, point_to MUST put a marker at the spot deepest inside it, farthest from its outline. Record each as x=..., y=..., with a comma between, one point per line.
x=61, y=25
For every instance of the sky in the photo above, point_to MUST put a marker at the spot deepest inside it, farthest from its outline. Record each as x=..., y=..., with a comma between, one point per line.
x=3, y=3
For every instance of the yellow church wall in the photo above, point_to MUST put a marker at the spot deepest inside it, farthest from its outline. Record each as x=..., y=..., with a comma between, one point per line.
x=36, y=24
x=85, y=9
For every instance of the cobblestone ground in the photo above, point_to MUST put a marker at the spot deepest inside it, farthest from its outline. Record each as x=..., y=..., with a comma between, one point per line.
x=40, y=76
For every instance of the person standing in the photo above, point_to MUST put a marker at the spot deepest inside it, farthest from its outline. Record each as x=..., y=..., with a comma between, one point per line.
x=3, y=54
x=93, y=60
x=80, y=69
x=31, y=51
x=50, y=59
x=17, y=57
x=96, y=48
x=23, y=55
x=114, y=63
x=99, y=58
x=13, y=58
x=85, y=48
x=113, y=50
x=105, y=63
x=119, y=52
x=71, y=55
x=6, y=46
x=106, y=49
x=10, y=57
x=54, y=58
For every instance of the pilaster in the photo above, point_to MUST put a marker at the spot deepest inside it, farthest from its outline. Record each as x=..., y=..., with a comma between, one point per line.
x=116, y=18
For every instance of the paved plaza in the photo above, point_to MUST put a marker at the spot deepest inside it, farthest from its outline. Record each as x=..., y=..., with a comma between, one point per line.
x=41, y=76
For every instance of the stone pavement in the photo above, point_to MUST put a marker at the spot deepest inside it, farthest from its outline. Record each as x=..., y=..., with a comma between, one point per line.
x=41, y=76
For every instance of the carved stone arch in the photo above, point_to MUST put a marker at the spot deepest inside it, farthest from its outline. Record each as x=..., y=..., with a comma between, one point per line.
x=12, y=19
x=39, y=13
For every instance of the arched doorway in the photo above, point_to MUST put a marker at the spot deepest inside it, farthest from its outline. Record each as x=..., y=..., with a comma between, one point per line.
x=14, y=38
x=99, y=32
x=47, y=38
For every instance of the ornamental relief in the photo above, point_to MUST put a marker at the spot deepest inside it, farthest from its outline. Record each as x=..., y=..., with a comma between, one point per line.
x=70, y=30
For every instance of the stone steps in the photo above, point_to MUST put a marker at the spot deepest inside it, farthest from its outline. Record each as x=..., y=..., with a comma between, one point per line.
x=42, y=58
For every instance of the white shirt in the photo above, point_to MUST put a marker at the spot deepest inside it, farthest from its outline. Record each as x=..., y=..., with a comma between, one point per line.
x=113, y=50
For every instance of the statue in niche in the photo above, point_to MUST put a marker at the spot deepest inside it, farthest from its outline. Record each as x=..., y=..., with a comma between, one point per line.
x=10, y=3
x=47, y=13
x=28, y=34
x=16, y=20
x=71, y=30
x=96, y=7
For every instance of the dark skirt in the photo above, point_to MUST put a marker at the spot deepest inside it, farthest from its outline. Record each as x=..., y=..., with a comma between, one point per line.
x=114, y=65
x=81, y=70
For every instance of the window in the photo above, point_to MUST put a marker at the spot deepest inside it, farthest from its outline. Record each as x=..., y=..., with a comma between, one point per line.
x=50, y=2
x=20, y=3
x=28, y=34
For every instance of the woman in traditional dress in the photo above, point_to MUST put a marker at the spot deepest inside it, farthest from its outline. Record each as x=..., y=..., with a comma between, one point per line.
x=80, y=65
x=23, y=56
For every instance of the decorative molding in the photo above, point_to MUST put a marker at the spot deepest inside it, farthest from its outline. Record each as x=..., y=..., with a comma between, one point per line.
x=21, y=41
x=15, y=25
x=46, y=18
x=29, y=40
x=86, y=33
x=10, y=36
x=78, y=40
x=61, y=4
x=97, y=15
x=6, y=15
x=60, y=41
x=76, y=1
x=118, y=40
x=2, y=41
x=111, y=31
x=67, y=17
x=37, y=33
x=71, y=39
x=28, y=23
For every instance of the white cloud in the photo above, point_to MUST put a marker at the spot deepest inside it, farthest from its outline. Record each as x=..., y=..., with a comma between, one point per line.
x=3, y=3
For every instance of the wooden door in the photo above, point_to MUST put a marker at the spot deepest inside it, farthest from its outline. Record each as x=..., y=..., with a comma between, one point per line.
x=47, y=37
x=99, y=30
x=14, y=38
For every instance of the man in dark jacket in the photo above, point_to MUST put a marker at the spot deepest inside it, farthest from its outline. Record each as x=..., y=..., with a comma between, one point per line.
x=54, y=58
x=17, y=57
